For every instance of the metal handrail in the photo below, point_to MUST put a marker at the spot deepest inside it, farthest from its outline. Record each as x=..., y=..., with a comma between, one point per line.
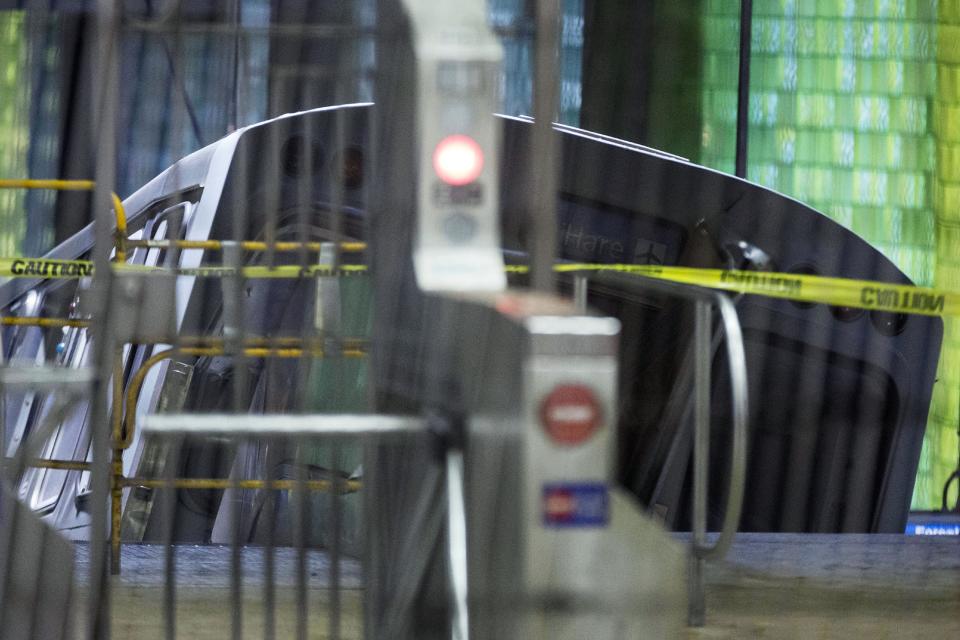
x=736, y=360
x=736, y=356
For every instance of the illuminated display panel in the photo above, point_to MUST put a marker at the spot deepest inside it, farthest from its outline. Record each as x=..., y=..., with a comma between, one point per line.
x=14, y=129
x=850, y=112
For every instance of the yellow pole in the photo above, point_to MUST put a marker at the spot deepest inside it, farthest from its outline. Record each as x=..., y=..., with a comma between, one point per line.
x=77, y=185
x=116, y=475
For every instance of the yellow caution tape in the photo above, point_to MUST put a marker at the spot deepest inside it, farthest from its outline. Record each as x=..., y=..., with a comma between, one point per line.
x=843, y=292
x=45, y=268
x=279, y=271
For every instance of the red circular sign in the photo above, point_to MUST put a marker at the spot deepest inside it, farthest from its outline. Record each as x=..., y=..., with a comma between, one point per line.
x=570, y=414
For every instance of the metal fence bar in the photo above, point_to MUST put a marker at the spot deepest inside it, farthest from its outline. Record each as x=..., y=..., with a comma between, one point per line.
x=46, y=378
x=250, y=245
x=308, y=333
x=236, y=560
x=300, y=523
x=268, y=511
x=337, y=226
x=282, y=425
x=170, y=529
x=542, y=208
x=348, y=486
x=743, y=88
x=703, y=352
x=106, y=31
x=234, y=320
x=457, y=543
x=580, y=288
x=333, y=615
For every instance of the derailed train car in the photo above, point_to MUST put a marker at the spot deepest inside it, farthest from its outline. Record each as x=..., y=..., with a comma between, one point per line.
x=839, y=396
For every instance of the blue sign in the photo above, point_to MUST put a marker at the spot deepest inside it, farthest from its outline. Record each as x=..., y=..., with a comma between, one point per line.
x=933, y=529
x=576, y=504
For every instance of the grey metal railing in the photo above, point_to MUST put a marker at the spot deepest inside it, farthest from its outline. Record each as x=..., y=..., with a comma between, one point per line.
x=301, y=429
x=703, y=347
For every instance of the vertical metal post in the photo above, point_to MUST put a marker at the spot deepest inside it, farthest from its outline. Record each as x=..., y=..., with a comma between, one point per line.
x=336, y=185
x=169, y=551
x=3, y=415
x=743, y=88
x=334, y=546
x=701, y=446
x=269, y=512
x=543, y=223
x=233, y=109
x=457, y=544
x=116, y=468
x=236, y=559
x=300, y=524
x=580, y=288
x=106, y=35
x=233, y=299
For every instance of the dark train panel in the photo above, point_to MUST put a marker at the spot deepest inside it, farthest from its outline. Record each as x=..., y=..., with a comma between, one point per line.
x=839, y=397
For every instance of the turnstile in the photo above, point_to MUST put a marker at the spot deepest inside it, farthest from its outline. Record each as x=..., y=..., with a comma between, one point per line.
x=522, y=384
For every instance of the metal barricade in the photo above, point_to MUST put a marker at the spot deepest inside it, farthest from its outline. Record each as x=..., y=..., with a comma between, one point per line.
x=301, y=430
x=36, y=562
x=702, y=350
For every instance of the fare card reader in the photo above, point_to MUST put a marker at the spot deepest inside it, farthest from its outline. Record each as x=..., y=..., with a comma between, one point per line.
x=458, y=58
x=557, y=550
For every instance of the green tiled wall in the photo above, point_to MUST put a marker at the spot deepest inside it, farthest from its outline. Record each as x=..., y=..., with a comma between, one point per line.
x=14, y=129
x=940, y=446
x=855, y=110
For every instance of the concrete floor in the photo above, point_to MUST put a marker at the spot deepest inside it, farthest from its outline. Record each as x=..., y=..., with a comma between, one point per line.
x=875, y=587
x=771, y=586
x=203, y=594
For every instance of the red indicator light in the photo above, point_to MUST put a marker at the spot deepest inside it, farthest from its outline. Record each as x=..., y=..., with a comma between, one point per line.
x=458, y=160
x=570, y=414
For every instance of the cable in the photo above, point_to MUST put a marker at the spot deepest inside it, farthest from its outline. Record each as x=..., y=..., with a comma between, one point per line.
x=177, y=81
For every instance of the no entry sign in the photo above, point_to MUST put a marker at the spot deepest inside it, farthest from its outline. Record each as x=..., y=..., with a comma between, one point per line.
x=570, y=414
